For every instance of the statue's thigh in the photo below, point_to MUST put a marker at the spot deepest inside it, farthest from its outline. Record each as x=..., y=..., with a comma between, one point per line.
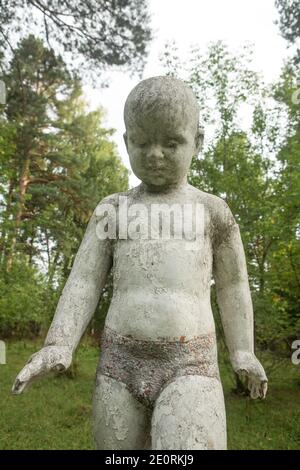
x=120, y=422
x=190, y=414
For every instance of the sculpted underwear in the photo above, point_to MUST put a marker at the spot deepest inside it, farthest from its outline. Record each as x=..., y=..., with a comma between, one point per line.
x=146, y=367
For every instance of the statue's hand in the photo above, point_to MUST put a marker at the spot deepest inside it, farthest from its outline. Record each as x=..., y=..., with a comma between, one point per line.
x=246, y=364
x=48, y=358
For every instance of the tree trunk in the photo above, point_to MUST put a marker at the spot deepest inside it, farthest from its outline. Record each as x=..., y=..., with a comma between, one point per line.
x=52, y=269
x=5, y=231
x=23, y=184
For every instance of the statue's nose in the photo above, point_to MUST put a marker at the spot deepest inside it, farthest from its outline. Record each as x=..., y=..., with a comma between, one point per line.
x=155, y=155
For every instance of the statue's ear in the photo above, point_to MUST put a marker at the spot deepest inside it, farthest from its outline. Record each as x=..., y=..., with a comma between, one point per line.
x=125, y=140
x=199, y=140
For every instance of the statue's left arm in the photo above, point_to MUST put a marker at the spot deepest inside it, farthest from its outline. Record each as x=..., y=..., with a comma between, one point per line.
x=235, y=304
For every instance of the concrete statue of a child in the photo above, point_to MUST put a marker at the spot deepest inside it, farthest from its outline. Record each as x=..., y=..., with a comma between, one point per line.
x=157, y=383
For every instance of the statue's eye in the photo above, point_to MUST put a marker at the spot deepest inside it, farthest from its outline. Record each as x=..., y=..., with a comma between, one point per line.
x=138, y=143
x=172, y=144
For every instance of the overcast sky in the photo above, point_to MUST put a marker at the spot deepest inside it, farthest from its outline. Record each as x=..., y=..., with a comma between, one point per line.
x=197, y=22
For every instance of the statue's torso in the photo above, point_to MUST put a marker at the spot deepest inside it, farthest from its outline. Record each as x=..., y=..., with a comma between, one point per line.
x=162, y=287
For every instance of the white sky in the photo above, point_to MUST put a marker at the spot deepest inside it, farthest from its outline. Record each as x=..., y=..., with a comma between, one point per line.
x=196, y=22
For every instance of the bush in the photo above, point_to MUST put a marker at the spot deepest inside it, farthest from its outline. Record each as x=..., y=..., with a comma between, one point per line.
x=23, y=309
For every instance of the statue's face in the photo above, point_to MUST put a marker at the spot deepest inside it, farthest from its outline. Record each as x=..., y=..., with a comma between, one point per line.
x=160, y=147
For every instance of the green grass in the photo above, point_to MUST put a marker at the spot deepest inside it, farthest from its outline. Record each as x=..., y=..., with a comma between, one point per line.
x=56, y=412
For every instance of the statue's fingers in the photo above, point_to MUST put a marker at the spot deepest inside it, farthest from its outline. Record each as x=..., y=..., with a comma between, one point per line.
x=258, y=389
x=19, y=386
x=263, y=389
x=256, y=371
x=254, y=393
x=258, y=377
x=22, y=380
x=262, y=376
x=33, y=369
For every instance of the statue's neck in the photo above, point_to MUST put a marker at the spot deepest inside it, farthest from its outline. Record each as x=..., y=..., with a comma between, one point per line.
x=164, y=189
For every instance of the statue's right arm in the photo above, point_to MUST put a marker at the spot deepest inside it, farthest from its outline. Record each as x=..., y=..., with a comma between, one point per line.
x=75, y=308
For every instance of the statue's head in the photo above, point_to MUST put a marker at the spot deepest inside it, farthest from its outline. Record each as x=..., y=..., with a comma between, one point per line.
x=162, y=130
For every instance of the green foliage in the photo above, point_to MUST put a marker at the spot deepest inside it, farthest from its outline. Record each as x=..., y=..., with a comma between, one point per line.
x=254, y=166
x=289, y=23
x=56, y=163
x=91, y=34
x=55, y=422
x=23, y=310
x=289, y=11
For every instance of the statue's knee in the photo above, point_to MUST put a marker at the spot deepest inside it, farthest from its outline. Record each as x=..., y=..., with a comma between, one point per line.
x=189, y=414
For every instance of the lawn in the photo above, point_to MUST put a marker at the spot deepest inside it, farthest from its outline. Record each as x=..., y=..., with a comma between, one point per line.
x=56, y=412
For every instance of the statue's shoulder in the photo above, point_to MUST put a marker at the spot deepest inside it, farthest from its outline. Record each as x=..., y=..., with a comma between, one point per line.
x=221, y=219
x=114, y=199
x=215, y=205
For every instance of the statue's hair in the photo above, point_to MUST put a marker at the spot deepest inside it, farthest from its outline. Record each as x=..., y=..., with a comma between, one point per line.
x=160, y=95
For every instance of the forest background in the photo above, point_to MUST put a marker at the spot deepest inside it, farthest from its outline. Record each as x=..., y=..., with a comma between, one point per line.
x=58, y=160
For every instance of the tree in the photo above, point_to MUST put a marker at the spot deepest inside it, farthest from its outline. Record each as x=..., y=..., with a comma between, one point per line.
x=34, y=80
x=285, y=264
x=92, y=34
x=241, y=163
x=58, y=155
x=56, y=163
x=289, y=11
x=289, y=23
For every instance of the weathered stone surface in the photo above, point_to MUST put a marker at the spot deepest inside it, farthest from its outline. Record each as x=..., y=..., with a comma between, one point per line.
x=160, y=316
x=147, y=367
